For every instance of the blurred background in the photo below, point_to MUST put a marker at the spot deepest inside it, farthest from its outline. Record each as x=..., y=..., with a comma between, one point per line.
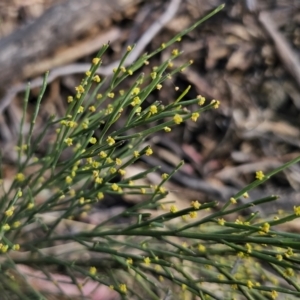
x=247, y=56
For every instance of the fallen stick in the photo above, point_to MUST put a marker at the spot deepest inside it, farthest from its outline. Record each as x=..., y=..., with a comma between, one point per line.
x=284, y=50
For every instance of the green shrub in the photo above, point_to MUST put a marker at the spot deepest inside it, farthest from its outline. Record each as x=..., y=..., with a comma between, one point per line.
x=147, y=257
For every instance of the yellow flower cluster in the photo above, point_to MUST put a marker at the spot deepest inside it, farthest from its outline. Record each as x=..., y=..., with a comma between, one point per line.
x=195, y=116
x=20, y=177
x=265, y=228
x=123, y=287
x=153, y=109
x=96, y=78
x=110, y=141
x=297, y=210
x=93, y=140
x=10, y=211
x=259, y=175
x=201, y=100
x=195, y=204
x=149, y=151
x=221, y=222
x=193, y=214
x=177, y=119
x=69, y=141
x=173, y=209
x=96, y=60
x=216, y=103
x=147, y=261
x=93, y=271
x=3, y=248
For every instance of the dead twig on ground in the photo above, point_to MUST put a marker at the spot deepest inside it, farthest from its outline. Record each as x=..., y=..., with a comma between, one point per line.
x=284, y=50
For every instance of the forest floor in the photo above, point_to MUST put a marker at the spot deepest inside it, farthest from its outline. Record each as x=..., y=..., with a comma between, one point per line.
x=247, y=56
